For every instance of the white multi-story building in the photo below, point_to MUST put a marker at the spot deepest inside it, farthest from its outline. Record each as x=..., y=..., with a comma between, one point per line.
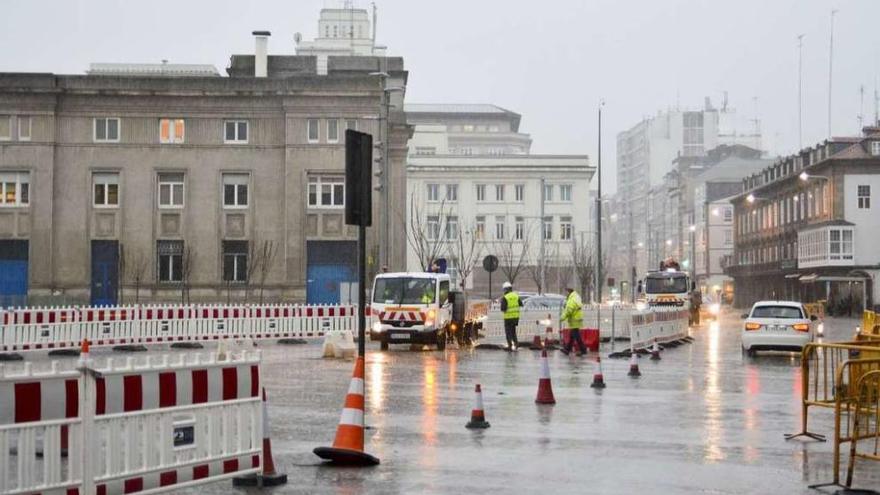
x=471, y=182
x=343, y=31
x=646, y=154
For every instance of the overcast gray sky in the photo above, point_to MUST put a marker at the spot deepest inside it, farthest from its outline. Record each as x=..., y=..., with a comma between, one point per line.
x=551, y=61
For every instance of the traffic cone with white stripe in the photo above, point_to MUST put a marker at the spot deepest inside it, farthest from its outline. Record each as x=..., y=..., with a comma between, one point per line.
x=269, y=477
x=598, y=377
x=478, y=417
x=655, y=351
x=545, y=388
x=634, y=366
x=348, y=447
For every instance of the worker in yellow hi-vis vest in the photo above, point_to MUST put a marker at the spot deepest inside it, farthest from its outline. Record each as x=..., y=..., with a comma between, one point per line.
x=510, y=306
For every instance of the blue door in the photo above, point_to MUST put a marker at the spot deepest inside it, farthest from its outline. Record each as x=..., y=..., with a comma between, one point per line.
x=105, y=272
x=13, y=273
x=330, y=264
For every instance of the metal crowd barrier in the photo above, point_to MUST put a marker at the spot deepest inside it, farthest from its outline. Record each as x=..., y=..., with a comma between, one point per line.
x=865, y=422
x=155, y=425
x=55, y=328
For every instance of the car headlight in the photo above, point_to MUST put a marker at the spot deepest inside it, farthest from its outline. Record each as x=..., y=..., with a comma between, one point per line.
x=377, y=327
x=641, y=306
x=820, y=329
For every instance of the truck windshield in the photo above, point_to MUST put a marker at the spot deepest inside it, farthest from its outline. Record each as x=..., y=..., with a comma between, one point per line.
x=666, y=285
x=404, y=291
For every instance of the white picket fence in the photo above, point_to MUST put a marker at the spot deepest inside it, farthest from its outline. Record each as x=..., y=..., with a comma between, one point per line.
x=153, y=425
x=28, y=329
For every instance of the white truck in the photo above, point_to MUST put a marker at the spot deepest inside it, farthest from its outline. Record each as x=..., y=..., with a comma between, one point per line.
x=411, y=308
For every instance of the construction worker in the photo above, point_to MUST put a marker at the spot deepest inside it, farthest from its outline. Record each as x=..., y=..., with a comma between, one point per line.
x=428, y=295
x=573, y=318
x=510, y=306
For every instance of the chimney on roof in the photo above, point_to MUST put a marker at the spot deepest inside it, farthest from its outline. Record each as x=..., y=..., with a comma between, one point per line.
x=261, y=55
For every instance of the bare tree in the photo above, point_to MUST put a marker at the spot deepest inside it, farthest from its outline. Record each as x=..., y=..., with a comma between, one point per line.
x=466, y=249
x=513, y=255
x=187, y=261
x=582, y=262
x=427, y=239
x=133, y=267
x=268, y=254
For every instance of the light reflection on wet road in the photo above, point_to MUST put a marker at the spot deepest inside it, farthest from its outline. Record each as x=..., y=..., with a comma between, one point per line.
x=704, y=419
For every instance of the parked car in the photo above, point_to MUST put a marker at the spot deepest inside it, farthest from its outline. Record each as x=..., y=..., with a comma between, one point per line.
x=777, y=326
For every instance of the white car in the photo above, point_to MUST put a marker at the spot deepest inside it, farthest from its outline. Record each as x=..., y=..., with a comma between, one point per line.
x=776, y=326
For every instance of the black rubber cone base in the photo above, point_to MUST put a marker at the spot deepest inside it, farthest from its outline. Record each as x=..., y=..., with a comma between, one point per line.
x=634, y=373
x=345, y=457
x=597, y=385
x=260, y=480
x=475, y=424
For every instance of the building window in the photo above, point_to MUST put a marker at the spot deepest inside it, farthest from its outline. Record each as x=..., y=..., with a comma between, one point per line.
x=481, y=192
x=451, y=227
x=548, y=192
x=171, y=190
x=236, y=132
x=24, y=127
x=519, y=193
x=565, y=228
x=426, y=150
x=728, y=214
x=106, y=187
x=5, y=127
x=170, y=260
x=728, y=237
x=235, y=190
x=452, y=193
x=312, y=130
x=14, y=189
x=433, y=225
x=106, y=130
x=235, y=260
x=519, y=231
x=326, y=192
x=480, y=228
x=333, y=131
x=864, y=197
x=499, y=228
x=875, y=148
x=433, y=192
x=548, y=228
x=565, y=192
x=171, y=130
x=499, y=192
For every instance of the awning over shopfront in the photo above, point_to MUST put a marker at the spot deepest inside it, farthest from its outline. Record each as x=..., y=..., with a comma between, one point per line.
x=793, y=275
x=809, y=278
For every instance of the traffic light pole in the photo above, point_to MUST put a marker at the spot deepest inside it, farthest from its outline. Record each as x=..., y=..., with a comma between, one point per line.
x=362, y=282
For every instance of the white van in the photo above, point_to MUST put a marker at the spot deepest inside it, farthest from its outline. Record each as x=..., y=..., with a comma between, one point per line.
x=410, y=308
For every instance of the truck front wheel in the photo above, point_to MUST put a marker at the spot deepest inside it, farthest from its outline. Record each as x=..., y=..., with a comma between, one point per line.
x=383, y=345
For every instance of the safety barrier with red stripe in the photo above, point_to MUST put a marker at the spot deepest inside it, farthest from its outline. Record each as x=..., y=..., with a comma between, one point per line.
x=158, y=424
x=658, y=324
x=55, y=328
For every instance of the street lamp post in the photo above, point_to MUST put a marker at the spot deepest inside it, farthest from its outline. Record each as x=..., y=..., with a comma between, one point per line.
x=693, y=263
x=599, y=211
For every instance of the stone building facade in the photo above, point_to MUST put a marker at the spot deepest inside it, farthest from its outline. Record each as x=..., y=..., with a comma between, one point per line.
x=193, y=187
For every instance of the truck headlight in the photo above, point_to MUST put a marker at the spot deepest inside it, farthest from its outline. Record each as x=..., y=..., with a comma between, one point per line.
x=377, y=327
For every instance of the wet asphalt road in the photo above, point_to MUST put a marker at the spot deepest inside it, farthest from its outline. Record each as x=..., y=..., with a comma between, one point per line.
x=704, y=419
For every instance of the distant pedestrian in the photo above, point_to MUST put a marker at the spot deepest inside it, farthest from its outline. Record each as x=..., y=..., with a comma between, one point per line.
x=510, y=307
x=573, y=318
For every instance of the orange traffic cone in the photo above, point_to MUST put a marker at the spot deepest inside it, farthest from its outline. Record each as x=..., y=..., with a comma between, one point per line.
x=269, y=477
x=537, y=345
x=545, y=389
x=598, y=378
x=348, y=447
x=655, y=351
x=634, y=366
x=478, y=417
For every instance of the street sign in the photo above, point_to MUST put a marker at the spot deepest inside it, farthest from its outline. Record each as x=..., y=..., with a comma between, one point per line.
x=490, y=263
x=358, y=178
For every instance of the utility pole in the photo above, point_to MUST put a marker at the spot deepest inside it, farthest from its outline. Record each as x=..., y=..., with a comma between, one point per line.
x=800, y=91
x=830, y=67
x=543, y=236
x=599, y=212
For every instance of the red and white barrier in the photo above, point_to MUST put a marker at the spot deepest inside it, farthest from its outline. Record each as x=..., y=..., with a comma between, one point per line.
x=55, y=328
x=657, y=325
x=158, y=424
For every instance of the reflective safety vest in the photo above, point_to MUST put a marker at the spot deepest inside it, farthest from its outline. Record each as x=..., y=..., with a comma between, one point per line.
x=573, y=313
x=512, y=311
